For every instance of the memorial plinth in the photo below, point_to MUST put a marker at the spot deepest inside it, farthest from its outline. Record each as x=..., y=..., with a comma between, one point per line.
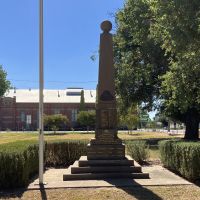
x=106, y=152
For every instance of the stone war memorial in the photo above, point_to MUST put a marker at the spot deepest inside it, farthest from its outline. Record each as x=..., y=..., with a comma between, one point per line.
x=105, y=153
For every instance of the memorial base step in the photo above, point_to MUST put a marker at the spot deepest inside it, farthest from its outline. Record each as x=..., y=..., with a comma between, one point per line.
x=85, y=169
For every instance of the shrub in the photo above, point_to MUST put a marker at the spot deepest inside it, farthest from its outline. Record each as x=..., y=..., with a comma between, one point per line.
x=182, y=157
x=138, y=150
x=64, y=153
x=19, y=161
x=56, y=122
x=86, y=119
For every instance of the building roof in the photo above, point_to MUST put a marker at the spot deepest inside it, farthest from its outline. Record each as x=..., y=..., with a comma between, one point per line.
x=70, y=95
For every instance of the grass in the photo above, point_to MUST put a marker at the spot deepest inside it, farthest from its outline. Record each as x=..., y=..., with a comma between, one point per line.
x=27, y=137
x=33, y=136
x=154, y=153
x=16, y=147
x=191, y=192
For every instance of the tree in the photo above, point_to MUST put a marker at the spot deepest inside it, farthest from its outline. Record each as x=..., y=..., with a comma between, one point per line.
x=139, y=59
x=176, y=27
x=157, y=47
x=4, y=83
x=55, y=122
x=82, y=101
x=130, y=118
x=160, y=117
x=181, y=90
x=144, y=118
x=86, y=119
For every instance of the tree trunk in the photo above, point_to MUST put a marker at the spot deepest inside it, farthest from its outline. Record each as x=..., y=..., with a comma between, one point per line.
x=192, y=125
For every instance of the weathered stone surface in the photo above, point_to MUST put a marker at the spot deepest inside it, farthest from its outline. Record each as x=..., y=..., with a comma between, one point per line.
x=128, y=161
x=106, y=144
x=106, y=152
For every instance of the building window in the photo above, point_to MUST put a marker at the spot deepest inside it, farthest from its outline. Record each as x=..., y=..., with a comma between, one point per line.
x=56, y=111
x=73, y=93
x=74, y=115
x=23, y=117
x=28, y=119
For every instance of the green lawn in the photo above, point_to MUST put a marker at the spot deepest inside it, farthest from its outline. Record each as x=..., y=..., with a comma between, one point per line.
x=13, y=137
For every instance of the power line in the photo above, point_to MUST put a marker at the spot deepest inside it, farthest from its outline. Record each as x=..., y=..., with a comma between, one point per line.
x=30, y=81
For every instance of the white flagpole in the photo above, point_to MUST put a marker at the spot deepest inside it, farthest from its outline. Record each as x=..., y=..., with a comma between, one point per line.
x=41, y=84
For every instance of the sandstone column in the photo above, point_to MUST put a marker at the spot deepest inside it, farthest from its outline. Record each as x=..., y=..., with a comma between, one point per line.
x=106, y=144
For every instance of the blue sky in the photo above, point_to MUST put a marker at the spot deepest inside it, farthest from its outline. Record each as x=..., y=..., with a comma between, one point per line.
x=71, y=33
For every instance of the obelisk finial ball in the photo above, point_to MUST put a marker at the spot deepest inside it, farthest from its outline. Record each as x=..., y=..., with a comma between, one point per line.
x=106, y=26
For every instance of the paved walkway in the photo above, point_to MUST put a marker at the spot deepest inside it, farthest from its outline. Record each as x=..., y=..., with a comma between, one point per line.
x=158, y=176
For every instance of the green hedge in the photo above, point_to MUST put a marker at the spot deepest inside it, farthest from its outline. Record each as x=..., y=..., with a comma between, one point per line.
x=138, y=150
x=182, y=157
x=19, y=160
x=64, y=153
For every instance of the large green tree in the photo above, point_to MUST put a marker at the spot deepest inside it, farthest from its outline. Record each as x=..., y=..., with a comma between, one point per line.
x=157, y=57
x=139, y=60
x=4, y=83
x=177, y=28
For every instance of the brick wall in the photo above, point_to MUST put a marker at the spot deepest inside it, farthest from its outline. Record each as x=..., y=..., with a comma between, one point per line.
x=13, y=116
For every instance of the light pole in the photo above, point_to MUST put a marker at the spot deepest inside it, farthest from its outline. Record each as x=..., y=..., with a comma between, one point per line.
x=41, y=84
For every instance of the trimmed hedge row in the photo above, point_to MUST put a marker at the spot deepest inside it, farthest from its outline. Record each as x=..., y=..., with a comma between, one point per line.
x=138, y=150
x=19, y=160
x=182, y=157
x=64, y=153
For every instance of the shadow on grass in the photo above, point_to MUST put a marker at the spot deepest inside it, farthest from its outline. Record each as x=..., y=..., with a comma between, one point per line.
x=18, y=193
x=15, y=193
x=134, y=189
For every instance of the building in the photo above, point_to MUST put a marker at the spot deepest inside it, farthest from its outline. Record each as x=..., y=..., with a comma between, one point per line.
x=19, y=108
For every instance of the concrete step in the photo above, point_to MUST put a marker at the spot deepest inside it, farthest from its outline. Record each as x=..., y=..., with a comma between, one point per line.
x=102, y=169
x=95, y=176
x=83, y=162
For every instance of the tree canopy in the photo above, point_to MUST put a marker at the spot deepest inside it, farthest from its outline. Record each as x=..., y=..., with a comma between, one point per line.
x=56, y=122
x=157, y=48
x=139, y=60
x=177, y=28
x=86, y=118
x=130, y=118
x=4, y=83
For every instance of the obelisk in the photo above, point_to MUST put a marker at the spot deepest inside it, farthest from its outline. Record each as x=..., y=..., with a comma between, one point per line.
x=106, y=144
x=106, y=153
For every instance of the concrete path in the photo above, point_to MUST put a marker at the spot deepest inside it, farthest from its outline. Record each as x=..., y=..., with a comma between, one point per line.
x=159, y=176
